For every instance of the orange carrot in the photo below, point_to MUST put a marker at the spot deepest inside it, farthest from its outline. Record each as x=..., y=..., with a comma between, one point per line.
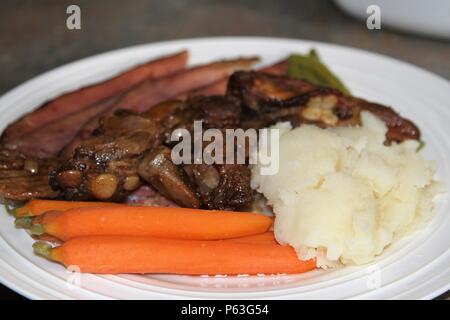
x=38, y=206
x=161, y=222
x=118, y=254
x=263, y=238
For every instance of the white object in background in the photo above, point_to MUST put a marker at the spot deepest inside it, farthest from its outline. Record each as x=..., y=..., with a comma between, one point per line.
x=423, y=17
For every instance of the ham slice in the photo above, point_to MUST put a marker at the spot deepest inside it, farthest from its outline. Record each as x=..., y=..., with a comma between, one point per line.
x=47, y=141
x=87, y=96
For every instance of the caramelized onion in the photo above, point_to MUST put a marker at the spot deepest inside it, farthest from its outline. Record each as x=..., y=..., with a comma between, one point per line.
x=70, y=178
x=31, y=166
x=131, y=183
x=103, y=186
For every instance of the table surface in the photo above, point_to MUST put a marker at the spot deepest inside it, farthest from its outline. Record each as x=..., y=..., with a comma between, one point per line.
x=34, y=37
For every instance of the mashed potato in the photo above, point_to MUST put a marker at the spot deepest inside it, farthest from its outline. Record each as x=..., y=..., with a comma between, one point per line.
x=341, y=195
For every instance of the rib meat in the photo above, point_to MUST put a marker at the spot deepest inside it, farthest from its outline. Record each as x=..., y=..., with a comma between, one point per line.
x=137, y=146
x=270, y=98
x=23, y=178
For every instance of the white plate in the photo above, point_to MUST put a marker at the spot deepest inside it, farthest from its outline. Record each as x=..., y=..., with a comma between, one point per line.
x=416, y=267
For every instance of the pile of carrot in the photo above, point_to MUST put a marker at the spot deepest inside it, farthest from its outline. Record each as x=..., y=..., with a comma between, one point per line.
x=114, y=238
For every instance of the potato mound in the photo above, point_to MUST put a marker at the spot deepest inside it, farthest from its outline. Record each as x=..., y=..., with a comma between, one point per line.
x=341, y=195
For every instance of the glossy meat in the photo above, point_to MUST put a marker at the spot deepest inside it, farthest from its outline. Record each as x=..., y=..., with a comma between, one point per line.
x=22, y=178
x=232, y=190
x=137, y=146
x=157, y=168
x=270, y=98
x=104, y=166
x=264, y=92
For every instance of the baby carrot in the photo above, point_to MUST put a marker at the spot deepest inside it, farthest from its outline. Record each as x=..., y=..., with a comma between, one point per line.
x=37, y=207
x=263, y=238
x=118, y=254
x=160, y=222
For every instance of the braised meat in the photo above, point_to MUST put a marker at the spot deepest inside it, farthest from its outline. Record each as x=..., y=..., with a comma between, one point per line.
x=271, y=98
x=232, y=189
x=22, y=178
x=130, y=149
x=264, y=92
x=221, y=186
x=106, y=163
x=157, y=168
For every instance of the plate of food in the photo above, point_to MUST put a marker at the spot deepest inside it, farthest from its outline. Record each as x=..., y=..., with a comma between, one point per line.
x=118, y=181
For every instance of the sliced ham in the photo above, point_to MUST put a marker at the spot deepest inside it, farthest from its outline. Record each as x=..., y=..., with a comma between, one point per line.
x=278, y=68
x=87, y=96
x=151, y=92
x=47, y=141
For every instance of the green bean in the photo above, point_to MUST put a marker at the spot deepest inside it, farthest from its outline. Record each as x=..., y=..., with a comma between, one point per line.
x=310, y=68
